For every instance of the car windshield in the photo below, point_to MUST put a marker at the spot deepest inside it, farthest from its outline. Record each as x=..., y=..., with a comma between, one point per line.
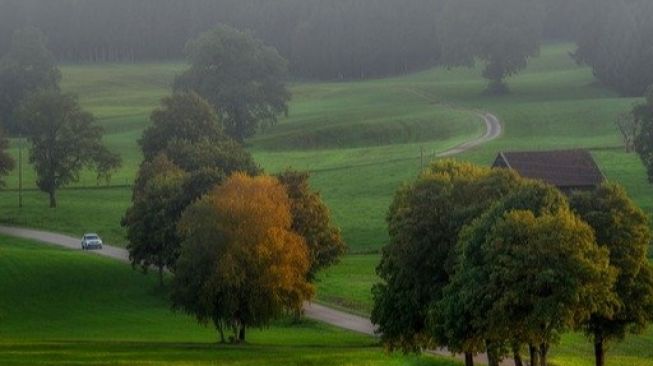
x=92, y=237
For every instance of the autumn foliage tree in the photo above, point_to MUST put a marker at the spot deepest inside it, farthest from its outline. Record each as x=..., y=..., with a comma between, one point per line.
x=241, y=264
x=312, y=220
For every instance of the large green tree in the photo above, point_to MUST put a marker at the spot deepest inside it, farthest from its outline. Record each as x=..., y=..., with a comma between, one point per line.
x=424, y=221
x=623, y=229
x=241, y=77
x=27, y=67
x=64, y=140
x=643, y=119
x=503, y=34
x=312, y=220
x=182, y=116
x=151, y=221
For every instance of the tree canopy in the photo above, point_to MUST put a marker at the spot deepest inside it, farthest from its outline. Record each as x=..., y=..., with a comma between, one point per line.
x=182, y=116
x=515, y=265
x=27, y=67
x=643, y=119
x=151, y=221
x=623, y=229
x=241, y=264
x=424, y=221
x=7, y=162
x=503, y=34
x=312, y=220
x=64, y=140
x=242, y=78
x=614, y=38
x=186, y=156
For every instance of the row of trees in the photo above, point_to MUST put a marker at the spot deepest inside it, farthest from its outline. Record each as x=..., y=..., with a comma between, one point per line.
x=356, y=39
x=64, y=139
x=481, y=260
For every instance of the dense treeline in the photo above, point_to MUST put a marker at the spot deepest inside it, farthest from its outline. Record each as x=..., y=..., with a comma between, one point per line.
x=321, y=39
x=325, y=39
x=614, y=38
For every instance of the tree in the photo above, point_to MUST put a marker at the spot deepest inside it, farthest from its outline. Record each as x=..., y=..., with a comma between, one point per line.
x=6, y=160
x=242, y=78
x=614, y=39
x=64, y=140
x=241, y=264
x=151, y=221
x=643, y=116
x=226, y=155
x=312, y=220
x=527, y=270
x=504, y=34
x=186, y=156
x=27, y=67
x=623, y=229
x=424, y=221
x=182, y=116
x=629, y=129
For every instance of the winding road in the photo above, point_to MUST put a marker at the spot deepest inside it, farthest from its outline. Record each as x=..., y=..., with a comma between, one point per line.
x=314, y=311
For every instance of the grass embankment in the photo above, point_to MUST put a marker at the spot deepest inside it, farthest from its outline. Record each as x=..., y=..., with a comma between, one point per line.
x=67, y=307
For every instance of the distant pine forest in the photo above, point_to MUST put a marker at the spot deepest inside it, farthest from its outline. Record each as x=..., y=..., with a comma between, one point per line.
x=333, y=39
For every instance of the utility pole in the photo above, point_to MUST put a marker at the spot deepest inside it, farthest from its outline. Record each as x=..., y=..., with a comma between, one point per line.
x=20, y=171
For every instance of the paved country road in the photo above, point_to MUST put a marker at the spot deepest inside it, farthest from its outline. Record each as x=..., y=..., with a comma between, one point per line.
x=493, y=130
x=317, y=312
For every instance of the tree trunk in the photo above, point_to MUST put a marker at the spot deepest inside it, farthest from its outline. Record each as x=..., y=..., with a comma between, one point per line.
x=469, y=359
x=517, y=355
x=535, y=359
x=221, y=332
x=53, y=199
x=544, y=351
x=492, y=357
x=241, y=334
x=599, y=351
x=161, y=275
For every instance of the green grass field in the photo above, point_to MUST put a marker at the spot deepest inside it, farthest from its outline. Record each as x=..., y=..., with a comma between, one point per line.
x=62, y=307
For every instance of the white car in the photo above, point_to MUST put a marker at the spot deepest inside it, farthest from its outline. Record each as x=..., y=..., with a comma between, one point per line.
x=91, y=241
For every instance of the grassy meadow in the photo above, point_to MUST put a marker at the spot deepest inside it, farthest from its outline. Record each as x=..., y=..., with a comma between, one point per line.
x=68, y=307
x=360, y=140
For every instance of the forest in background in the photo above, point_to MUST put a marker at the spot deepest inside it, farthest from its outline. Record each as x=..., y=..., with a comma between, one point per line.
x=342, y=39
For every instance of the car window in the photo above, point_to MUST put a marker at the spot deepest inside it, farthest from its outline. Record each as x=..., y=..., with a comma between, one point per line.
x=91, y=237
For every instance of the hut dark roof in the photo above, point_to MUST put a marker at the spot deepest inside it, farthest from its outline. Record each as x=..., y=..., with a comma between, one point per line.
x=565, y=169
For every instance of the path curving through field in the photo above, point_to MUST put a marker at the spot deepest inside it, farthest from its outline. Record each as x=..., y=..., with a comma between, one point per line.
x=313, y=311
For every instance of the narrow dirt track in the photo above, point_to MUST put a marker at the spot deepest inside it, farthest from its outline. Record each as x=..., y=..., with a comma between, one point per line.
x=317, y=312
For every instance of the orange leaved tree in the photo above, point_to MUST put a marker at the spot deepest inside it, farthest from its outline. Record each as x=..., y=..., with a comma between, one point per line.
x=241, y=265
